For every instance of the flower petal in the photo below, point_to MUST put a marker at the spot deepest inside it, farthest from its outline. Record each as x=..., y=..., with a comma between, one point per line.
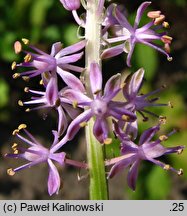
x=140, y=11
x=133, y=174
x=71, y=80
x=95, y=78
x=62, y=121
x=69, y=59
x=112, y=87
x=113, y=51
x=148, y=134
x=56, y=47
x=101, y=129
x=53, y=179
x=52, y=91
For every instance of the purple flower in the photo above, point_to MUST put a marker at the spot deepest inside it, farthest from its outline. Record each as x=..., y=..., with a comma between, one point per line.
x=52, y=98
x=147, y=149
x=59, y=60
x=98, y=105
x=71, y=4
x=36, y=154
x=146, y=34
x=139, y=102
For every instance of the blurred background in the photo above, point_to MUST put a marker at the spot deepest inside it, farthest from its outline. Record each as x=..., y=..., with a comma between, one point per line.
x=45, y=22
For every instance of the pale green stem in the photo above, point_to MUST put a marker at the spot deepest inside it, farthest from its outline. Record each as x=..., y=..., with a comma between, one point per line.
x=98, y=184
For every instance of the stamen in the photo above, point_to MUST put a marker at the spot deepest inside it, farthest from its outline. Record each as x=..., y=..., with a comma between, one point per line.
x=108, y=141
x=27, y=58
x=162, y=119
x=41, y=82
x=16, y=75
x=57, y=103
x=167, y=48
x=27, y=110
x=83, y=124
x=165, y=24
x=167, y=167
x=154, y=14
x=25, y=41
x=170, y=104
x=20, y=103
x=125, y=118
x=169, y=58
x=166, y=39
x=75, y=104
x=15, y=132
x=22, y=126
x=17, y=47
x=180, y=151
x=26, y=78
x=13, y=66
x=26, y=89
x=16, y=151
x=180, y=172
x=14, y=146
x=163, y=138
x=10, y=172
x=159, y=20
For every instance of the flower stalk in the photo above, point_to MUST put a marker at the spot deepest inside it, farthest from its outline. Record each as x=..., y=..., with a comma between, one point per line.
x=98, y=184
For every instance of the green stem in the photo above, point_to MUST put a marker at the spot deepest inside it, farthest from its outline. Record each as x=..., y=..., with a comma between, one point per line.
x=98, y=184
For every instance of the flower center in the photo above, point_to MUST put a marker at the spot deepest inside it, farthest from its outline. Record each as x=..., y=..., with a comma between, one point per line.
x=47, y=63
x=99, y=107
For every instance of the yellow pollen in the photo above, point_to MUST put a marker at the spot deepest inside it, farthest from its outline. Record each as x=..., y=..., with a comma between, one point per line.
x=166, y=39
x=153, y=14
x=83, y=124
x=159, y=19
x=26, y=78
x=20, y=103
x=163, y=138
x=22, y=126
x=165, y=24
x=169, y=58
x=27, y=58
x=15, y=151
x=26, y=89
x=10, y=172
x=13, y=66
x=41, y=82
x=125, y=118
x=27, y=110
x=108, y=141
x=46, y=75
x=75, y=103
x=180, y=172
x=17, y=47
x=162, y=119
x=14, y=145
x=15, y=132
x=167, y=167
x=25, y=41
x=16, y=75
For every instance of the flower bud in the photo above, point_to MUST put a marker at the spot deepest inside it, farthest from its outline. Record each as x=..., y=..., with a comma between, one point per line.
x=71, y=4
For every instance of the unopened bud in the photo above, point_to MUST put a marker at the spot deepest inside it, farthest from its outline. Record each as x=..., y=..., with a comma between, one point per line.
x=70, y=5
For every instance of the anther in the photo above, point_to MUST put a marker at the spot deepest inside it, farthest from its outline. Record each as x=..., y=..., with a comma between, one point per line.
x=125, y=118
x=83, y=124
x=167, y=47
x=169, y=58
x=10, y=172
x=165, y=24
x=170, y=104
x=162, y=119
x=26, y=89
x=27, y=110
x=41, y=82
x=27, y=58
x=179, y=151
x=15, y=132
x=75, y=104
x=159, y=19
x=26, y=78
x=22, y=126
x=25, y=41
x=167, y=167
x=108, y=141
x=17, y=47
x=166, y=39
x=14, y=146
x=13, y=66
x=180, y=172
x=20, y=103
x=163, y=138
x=16, y=75
x=153, y=14
x=16, y=151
